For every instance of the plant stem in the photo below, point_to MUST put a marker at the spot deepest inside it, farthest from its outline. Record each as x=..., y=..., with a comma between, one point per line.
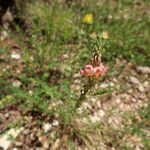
x=84, y=91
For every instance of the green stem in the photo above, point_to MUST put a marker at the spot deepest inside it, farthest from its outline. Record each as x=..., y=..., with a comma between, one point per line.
x=84, y=91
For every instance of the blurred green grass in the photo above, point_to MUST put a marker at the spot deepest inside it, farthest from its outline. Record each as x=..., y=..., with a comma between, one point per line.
x=53, y=26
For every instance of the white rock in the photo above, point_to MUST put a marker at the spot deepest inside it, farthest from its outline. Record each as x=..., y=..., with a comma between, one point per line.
x=103, y=85
x=109, y=16
x=15, y=148
x=45, y=145
x=98, y=104
x=144, y=70
x=77, y=81
x=86, y=105
x=118, y=100
x=18, y=144
x=30, y=92
x=5, y=140
x=15, y=56
x=65, y=56
x=137, y=148
x=134, y=100
x=94, y=118
x=115, y=80
x=133, y=80
x=16, y=83
x=4, y=35
x=93, y=99
x=146, y=84
x=84, y=120
x=101, y=113
x=60, y=102
x=140, y=88
x=7, y=115
x=80, y=110
x=47, y=127
x=55, y=123
x=111, y=84
x=130, y=91
x=145, y=104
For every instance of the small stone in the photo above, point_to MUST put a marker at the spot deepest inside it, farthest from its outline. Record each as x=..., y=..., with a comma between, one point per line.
x=18, y=144
x=77, y=81
x=60, y=102
x=133, y=80
x=4, y=69
x=32, y=136
x=98, y=104
x=16, y=83
x=15, y=148
x=84, y=120
x=104, y=85
x=124, y=107
x=93, y=100
x=55, y=123
x=130, y=91
x=146, y=84
x=7, y=115
x=145, y=104
x=53, y=135
x=45, y=145
x=101, y=113
x=143, y=70
x=94, y=118
x=86, y=105
x=47, y=127
x=76, y=75
x=4, y=35
x=118, y=100
x=109, y=17
x=133, y=100
x=140, y=88
x=64, y=57
x=15, y=56
x=80, y=110
x=111, y=84
x=137, y=148
x=115, y=80
x=27, y=131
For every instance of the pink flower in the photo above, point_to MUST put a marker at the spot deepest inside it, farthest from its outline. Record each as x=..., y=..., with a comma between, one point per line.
x=97, y=71
x=82, y=72
x=100, y=71
x=88, y=71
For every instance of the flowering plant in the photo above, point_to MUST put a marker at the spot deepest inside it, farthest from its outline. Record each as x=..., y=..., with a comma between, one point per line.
x=95, y=72
x=95, y=69
x=88, y=19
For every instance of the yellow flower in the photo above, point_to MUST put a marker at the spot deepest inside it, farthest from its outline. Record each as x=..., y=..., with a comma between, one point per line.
x=88, y=18
x=105, y=35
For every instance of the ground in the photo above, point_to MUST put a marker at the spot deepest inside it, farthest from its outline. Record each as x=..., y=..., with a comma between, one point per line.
x=41, y=80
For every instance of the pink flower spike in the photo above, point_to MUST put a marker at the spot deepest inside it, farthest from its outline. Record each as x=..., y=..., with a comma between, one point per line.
x=82, y=72
x=98, y=71
x=89, y=70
